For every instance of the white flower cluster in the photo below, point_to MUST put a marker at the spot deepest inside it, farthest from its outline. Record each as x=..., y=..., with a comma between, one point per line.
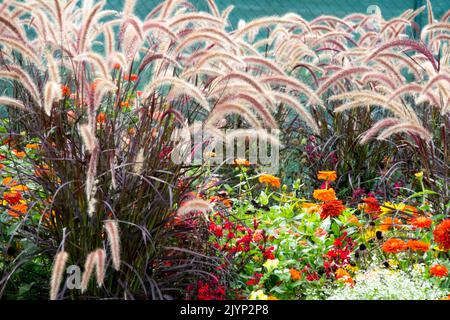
x=384, y=284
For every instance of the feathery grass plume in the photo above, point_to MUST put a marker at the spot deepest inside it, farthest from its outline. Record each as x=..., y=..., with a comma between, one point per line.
x=139, y=162
x=265, y=62
x=406, y=128
x=16, y=73
x=195, y=205
x=377, y=127
x=128, y=7
x=150, y=24
x=262, y=22
x=13, y=28
x=23, y=49
x=195, y=16
x=339, y=76
x=112, y=231
x=52, y=92
x=90, y=263
x=411, y=44
x=96, y=60
x=213, y=8
x=89, y=139
x=222, y=110
x=100, y=266
x=183, y=87
x=196, y=37
x=306, y=116
x=88, y=22
x=57, y=273
x=294, y=84
x=409, y=89
x=255, y=104
x=437, y=78
x=378, y=77
x=11, y=102
x=209, y=56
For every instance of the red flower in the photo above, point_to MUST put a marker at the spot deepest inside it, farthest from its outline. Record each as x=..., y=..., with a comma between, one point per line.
x=371, y=205
x=442, y=234
x=331, y=208
x=12, y=198
x=439, y=270
x=394, y=246
x=421, y=222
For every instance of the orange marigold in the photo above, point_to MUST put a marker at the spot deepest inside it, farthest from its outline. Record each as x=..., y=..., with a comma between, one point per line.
x=327, y=175
x=394, y=245
x=439, y=270
x=416, y=245
x=331, y=208
x=421, y=222
x=442, y=234
x=295, y=274
x=324, y=194
x=270, y=180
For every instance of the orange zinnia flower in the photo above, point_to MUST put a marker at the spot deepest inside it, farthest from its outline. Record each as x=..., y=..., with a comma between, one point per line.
x=295, y=274
x=18, y=154
x=101, y=118
x=421, y=222
x=327, y=175
x=439, y=270
x=270, y=180
x=371, y=206
x=124, y=104
x=353, y=220
x=442, y=234
x=341, y=274
x=394, y=246
x=331, y=208
x=17, y=210
x=8, y=181
x=324, y=194
x=32, y=146
x=416, y=245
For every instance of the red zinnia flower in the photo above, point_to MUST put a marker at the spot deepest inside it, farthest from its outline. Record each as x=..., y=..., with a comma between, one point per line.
x=439, y=270
x=331, y=208
x=442, y=234
x=371, y=205
x=12, y=197
x=421, y=222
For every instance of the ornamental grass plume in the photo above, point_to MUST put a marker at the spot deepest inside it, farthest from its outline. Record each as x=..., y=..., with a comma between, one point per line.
x=57, y=273
x=112, y=231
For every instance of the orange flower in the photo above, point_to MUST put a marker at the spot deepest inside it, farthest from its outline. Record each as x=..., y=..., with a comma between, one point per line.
x=310, y=207
x=133, y=77
x=32, y=146
x=8, y=181
x=272, y=298
x=17, y=210
x=20, y=188
x=416, y=245
x=117, y=66
x=1, y=166
x=343, y=275
x=65, y=90
x=387, y=223
x=101, y=118
x=324, y=194
x=295, y=274
x=394, y=246
x=353, y=220
x=439, y=270
x=242, y=162
x=421, y=222
x=332, y=208
x=442, y=234
x=139, y=93
x=270, y=180
x=327, y=175
x=18, y=154
x=125, y=104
